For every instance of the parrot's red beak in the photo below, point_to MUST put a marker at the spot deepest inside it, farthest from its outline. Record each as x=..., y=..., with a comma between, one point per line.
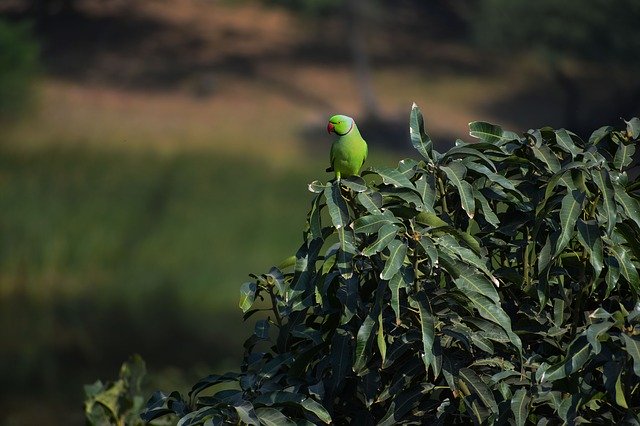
x=330, y=128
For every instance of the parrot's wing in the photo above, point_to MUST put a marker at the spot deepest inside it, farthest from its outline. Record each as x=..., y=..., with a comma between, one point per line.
x=366, y=152
x=329, y=169
x=332, y=156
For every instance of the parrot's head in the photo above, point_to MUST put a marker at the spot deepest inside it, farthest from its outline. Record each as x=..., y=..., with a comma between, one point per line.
x=340, y=125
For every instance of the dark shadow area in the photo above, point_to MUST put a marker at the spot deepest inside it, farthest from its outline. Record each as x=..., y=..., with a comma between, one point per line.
x=124, y=48
x=544, y=103
x=76, y=340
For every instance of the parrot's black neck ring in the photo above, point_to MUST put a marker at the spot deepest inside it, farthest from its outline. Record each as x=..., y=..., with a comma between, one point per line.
x=342, y=134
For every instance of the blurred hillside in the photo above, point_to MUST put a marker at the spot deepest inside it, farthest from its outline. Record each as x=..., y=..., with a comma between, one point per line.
x=168, y=153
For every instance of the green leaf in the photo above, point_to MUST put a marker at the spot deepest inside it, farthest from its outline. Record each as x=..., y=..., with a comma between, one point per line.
x=273, y=417
x=479, y=284
x=406, y=401
x=316, y=408
x=430, y=219
x=410, y=196
x=408, y=167
x=480, y=388
x=313, y=220
x=593, y=333
x=355, y=183
x=558, y=312
x=247, y=295
x=633, y=127
x=338, y=210
x=602, y=180
x=261, y=329
x=372, y=223
x=382, y=342
x=620, y=398
x=363, y=344
x=246, y=413
x=613, y=273
x=489, y=133
x=569, y=212
x=520, y=406
x=627, y=268
x=400, y=280
x=371, y=201
x=483, y=343
x=455, y=172
x=624, y=155
x=631, y=205
x=612, y=373
x=467, y=153
x=386, y=234
x=544, y=154
x=578, y=354
x=345, y=253
x=599, y=134
x=211, y=380
x=427, y=190
x=632, y=346
x=429, y=249
x=544, y=257
x=493, y=177
x=397, y=253
x=488, y=213
x=427, y=327
x=317, y=187
x=561, y=177
x=566, y=143
x=341, y=358
x=419, y=137
x=589, y=237
x=393, y=177
x=494, y=313
x=470, y=257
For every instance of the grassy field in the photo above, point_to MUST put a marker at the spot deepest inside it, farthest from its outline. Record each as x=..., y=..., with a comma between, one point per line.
x=103, y=254
x=108, y=252
x=122, y=227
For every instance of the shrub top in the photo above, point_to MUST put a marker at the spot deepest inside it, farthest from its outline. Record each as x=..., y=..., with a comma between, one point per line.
x=495, y=281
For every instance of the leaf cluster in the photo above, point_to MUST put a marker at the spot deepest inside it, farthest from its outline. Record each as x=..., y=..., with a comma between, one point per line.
x=494, y=283
x=119, y=402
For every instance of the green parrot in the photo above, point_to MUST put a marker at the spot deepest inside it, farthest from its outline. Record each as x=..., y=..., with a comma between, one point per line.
x=349, y=151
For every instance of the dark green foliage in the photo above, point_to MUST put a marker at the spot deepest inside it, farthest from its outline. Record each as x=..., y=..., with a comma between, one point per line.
x=119, y=402
x=494, y=283
x=18, y=68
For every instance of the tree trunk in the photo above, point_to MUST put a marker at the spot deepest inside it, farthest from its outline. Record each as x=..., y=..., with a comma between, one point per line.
x=571, y=97
x=359, y=54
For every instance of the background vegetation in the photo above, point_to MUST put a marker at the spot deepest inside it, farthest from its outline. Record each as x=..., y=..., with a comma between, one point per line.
x=164, y=134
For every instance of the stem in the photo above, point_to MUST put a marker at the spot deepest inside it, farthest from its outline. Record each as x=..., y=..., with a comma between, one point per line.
x=633, y=186
x=526, y=266
x=415, y=265
x=274, y=308
x=443, y=197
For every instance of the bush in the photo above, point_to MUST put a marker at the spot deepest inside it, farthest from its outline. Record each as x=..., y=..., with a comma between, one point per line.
x=118, y=402
x=497, y=282
x=18, y=68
